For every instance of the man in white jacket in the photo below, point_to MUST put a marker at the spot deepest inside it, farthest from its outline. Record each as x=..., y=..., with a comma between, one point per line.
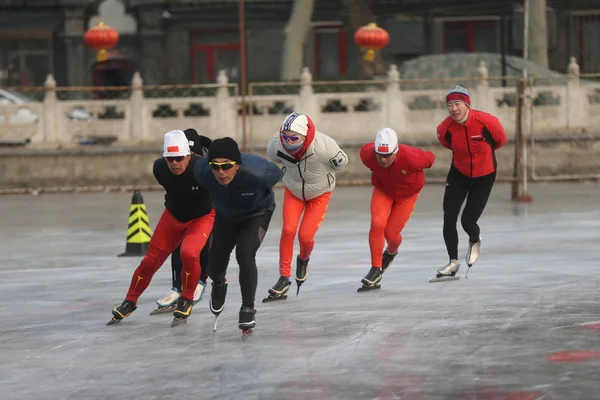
x=310, y=161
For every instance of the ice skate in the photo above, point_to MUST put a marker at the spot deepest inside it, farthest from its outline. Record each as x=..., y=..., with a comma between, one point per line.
x=246, y=321
x=387, y=260
x=371, y=280
x=279, y=290
x=122, y=311
x=168, y=303
x=182, y=311
x=217, y=300
x=473, y=253
x=199, y=292
x=447, y=272
x=301, y=272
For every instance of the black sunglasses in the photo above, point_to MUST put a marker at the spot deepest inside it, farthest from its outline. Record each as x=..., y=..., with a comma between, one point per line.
x=222, y=165
x=172, y=159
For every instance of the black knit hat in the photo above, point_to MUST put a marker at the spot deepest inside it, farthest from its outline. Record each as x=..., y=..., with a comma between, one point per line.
x=197, y=142
x=225, y=148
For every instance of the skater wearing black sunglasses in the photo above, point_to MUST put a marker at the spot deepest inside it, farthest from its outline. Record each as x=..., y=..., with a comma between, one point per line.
x=241, y=187
x=199, y=147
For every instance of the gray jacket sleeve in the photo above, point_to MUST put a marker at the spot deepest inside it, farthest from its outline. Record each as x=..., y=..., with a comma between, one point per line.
x=336, y=157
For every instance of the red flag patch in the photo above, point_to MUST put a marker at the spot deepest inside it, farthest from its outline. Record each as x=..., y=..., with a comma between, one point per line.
x=173, y=149
x=383, y=149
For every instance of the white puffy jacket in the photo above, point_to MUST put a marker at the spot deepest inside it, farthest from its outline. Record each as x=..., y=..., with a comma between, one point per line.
x=314, y=174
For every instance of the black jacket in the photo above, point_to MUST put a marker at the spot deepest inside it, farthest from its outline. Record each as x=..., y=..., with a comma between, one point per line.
x=249, y=194
x=186, y=199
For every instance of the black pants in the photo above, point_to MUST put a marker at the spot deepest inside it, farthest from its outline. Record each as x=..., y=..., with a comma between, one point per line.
x=477, y=192
x=177, y=264
x=246, y=236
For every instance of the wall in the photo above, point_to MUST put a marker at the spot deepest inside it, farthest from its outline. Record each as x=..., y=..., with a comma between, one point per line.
x=114, y=167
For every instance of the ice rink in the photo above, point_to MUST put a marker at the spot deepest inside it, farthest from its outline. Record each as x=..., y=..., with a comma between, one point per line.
x=525, y=324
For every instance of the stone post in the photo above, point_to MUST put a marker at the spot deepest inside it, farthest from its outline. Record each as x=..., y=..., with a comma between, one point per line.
x=307, y=102
x=138, y=117
x=49, y=121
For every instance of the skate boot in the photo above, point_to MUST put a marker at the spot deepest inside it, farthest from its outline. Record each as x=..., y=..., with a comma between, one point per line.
x=122, y=311
x=387, y=260
x=182, y=311
x=199, y=292
x=246, y=322
x=301, y=272
x=217, y=300
x=447, y=272
x=371, y=280
x=167, y=303
x=473, y=253
x=279, y=290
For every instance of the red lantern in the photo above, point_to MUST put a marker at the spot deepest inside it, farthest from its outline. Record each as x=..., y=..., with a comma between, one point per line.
x=371, y=37
x=101, y=38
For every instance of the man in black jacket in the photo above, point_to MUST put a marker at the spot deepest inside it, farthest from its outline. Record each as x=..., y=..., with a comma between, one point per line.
x=187, y=219
x=198, y=146
x=241, y=188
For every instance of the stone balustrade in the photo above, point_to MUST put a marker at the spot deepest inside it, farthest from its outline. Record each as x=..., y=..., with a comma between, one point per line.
x=350, y=111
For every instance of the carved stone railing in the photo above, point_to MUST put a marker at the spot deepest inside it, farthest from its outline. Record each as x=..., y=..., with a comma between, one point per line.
x=351, y=111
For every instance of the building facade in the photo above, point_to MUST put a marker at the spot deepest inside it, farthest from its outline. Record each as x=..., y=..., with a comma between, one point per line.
x=189, y=41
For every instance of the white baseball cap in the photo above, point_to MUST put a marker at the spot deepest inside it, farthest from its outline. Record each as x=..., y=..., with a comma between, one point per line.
x=386, y=141
x=296, y=123
x=176, y=144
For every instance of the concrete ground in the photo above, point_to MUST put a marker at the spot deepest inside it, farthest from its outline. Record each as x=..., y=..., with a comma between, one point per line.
x=524, y=325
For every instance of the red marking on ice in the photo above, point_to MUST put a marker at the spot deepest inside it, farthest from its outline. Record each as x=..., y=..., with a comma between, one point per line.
x=493, y=393
x=573, y=356
x=592, y=326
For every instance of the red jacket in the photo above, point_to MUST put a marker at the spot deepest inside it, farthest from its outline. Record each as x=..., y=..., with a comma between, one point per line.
x=405, y=177
x=473, y=143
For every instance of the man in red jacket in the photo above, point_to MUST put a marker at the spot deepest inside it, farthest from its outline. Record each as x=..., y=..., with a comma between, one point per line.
x=473, y=136
x=397, y=176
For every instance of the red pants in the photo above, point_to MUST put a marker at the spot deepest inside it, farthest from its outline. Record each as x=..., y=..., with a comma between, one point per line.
x=388, y=218
x=169, y=233
x=314, y=212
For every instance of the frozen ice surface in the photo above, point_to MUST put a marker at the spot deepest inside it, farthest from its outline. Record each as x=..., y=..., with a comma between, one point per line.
x=520, y=327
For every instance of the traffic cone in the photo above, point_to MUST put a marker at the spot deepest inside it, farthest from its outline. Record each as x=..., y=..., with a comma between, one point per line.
x=138, y=231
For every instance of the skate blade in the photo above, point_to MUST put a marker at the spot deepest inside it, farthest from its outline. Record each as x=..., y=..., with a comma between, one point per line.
x=216, y=322
x=163, y=310
x=444, y=279
x=247, y=332
x=113, y=321
x=368, y=288
x=178, y=321
x=274, y=298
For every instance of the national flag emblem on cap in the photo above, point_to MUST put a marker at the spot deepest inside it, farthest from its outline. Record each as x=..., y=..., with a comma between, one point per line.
x=175, y=144
x=386, y=141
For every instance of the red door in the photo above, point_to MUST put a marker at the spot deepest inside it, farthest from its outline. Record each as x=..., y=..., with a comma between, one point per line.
x=208, y=59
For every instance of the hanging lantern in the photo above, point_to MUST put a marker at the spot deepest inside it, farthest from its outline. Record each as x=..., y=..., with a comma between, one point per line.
x=371, y=38
x=101, y=38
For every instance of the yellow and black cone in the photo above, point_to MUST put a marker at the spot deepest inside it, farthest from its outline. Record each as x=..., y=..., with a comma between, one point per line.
x=138, y=230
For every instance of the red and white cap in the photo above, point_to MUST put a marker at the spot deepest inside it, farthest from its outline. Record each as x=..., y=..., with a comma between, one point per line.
x=176, y=144
x=386, y=141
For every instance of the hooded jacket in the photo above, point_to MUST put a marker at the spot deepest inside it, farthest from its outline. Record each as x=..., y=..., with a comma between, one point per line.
x=310, y=172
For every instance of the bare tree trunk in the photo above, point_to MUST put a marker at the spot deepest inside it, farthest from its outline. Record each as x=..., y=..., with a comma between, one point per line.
x=358, y=14
x=295, y=36
x=538, y=36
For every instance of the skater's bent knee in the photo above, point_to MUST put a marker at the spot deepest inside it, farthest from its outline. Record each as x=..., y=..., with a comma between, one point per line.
x=288, y=231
